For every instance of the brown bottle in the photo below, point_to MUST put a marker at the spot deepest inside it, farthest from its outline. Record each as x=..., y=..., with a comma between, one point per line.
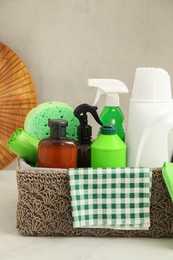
x=84, y=132
x=57, y=151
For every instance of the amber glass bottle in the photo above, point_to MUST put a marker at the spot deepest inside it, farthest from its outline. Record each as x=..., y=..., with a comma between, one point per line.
x=57, y=151
x=84, y=132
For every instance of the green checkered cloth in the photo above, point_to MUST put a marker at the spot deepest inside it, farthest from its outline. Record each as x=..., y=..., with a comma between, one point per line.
x=111, y=198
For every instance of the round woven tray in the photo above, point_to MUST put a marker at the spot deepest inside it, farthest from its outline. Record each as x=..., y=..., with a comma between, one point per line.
x=17, y=97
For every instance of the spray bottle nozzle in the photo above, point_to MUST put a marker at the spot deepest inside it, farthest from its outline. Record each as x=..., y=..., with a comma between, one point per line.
x=81, y=113
x=108, y=87
x=84, y=130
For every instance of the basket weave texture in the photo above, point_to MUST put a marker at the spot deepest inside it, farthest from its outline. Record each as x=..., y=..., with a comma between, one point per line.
x=44, y=207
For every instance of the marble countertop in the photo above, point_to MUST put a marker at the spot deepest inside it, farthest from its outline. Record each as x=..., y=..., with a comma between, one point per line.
x=16, y=247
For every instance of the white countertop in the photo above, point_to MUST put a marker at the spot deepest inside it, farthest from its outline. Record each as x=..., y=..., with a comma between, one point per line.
x=16, y=247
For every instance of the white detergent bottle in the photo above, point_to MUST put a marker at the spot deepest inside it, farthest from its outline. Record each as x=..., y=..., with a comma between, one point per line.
x=111, y=113
x=149, y=135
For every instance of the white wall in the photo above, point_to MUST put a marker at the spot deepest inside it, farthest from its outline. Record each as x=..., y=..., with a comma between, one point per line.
x=65, y=42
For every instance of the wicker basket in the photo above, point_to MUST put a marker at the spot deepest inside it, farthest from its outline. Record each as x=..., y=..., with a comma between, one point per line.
x=44, y=207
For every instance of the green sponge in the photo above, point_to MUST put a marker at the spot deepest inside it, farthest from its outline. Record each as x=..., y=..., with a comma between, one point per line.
x=36, y=122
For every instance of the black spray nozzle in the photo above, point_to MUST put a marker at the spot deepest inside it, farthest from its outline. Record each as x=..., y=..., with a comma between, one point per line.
x=80, y=113
x=85, y=130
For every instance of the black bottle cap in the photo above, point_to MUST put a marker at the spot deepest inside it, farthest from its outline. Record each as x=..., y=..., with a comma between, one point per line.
x=57, y=128
x=84, y=130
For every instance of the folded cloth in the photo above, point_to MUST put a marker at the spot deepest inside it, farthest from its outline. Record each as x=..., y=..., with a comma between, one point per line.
x=111, y=198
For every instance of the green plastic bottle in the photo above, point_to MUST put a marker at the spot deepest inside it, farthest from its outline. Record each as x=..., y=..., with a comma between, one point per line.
x=114, y=116
x=108, y=150
x=111, y=113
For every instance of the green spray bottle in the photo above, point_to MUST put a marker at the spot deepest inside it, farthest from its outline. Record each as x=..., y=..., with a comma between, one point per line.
x=108, y=150
x=111, y=113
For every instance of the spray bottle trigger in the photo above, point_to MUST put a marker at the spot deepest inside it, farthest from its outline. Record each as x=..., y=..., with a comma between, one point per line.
x=83, y=109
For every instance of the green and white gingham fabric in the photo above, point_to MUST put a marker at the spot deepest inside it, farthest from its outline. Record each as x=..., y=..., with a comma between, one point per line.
x=111, y=198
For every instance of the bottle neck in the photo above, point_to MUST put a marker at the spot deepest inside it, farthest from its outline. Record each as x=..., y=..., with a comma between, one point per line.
x=112, y=101
x=84, y=134
x=57, y=133
x=84, y=141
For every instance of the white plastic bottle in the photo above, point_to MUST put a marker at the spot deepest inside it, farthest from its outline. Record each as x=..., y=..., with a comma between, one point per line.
x=149, y=135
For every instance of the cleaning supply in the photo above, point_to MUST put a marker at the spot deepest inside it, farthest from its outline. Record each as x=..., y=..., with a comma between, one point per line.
x=57, y=151
x=36, y=122
x=111, y=198
x=149, y=135
x=167, y=172
x=24, y=146
x=84, y=133
x=108, y=150
x=111, y=113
